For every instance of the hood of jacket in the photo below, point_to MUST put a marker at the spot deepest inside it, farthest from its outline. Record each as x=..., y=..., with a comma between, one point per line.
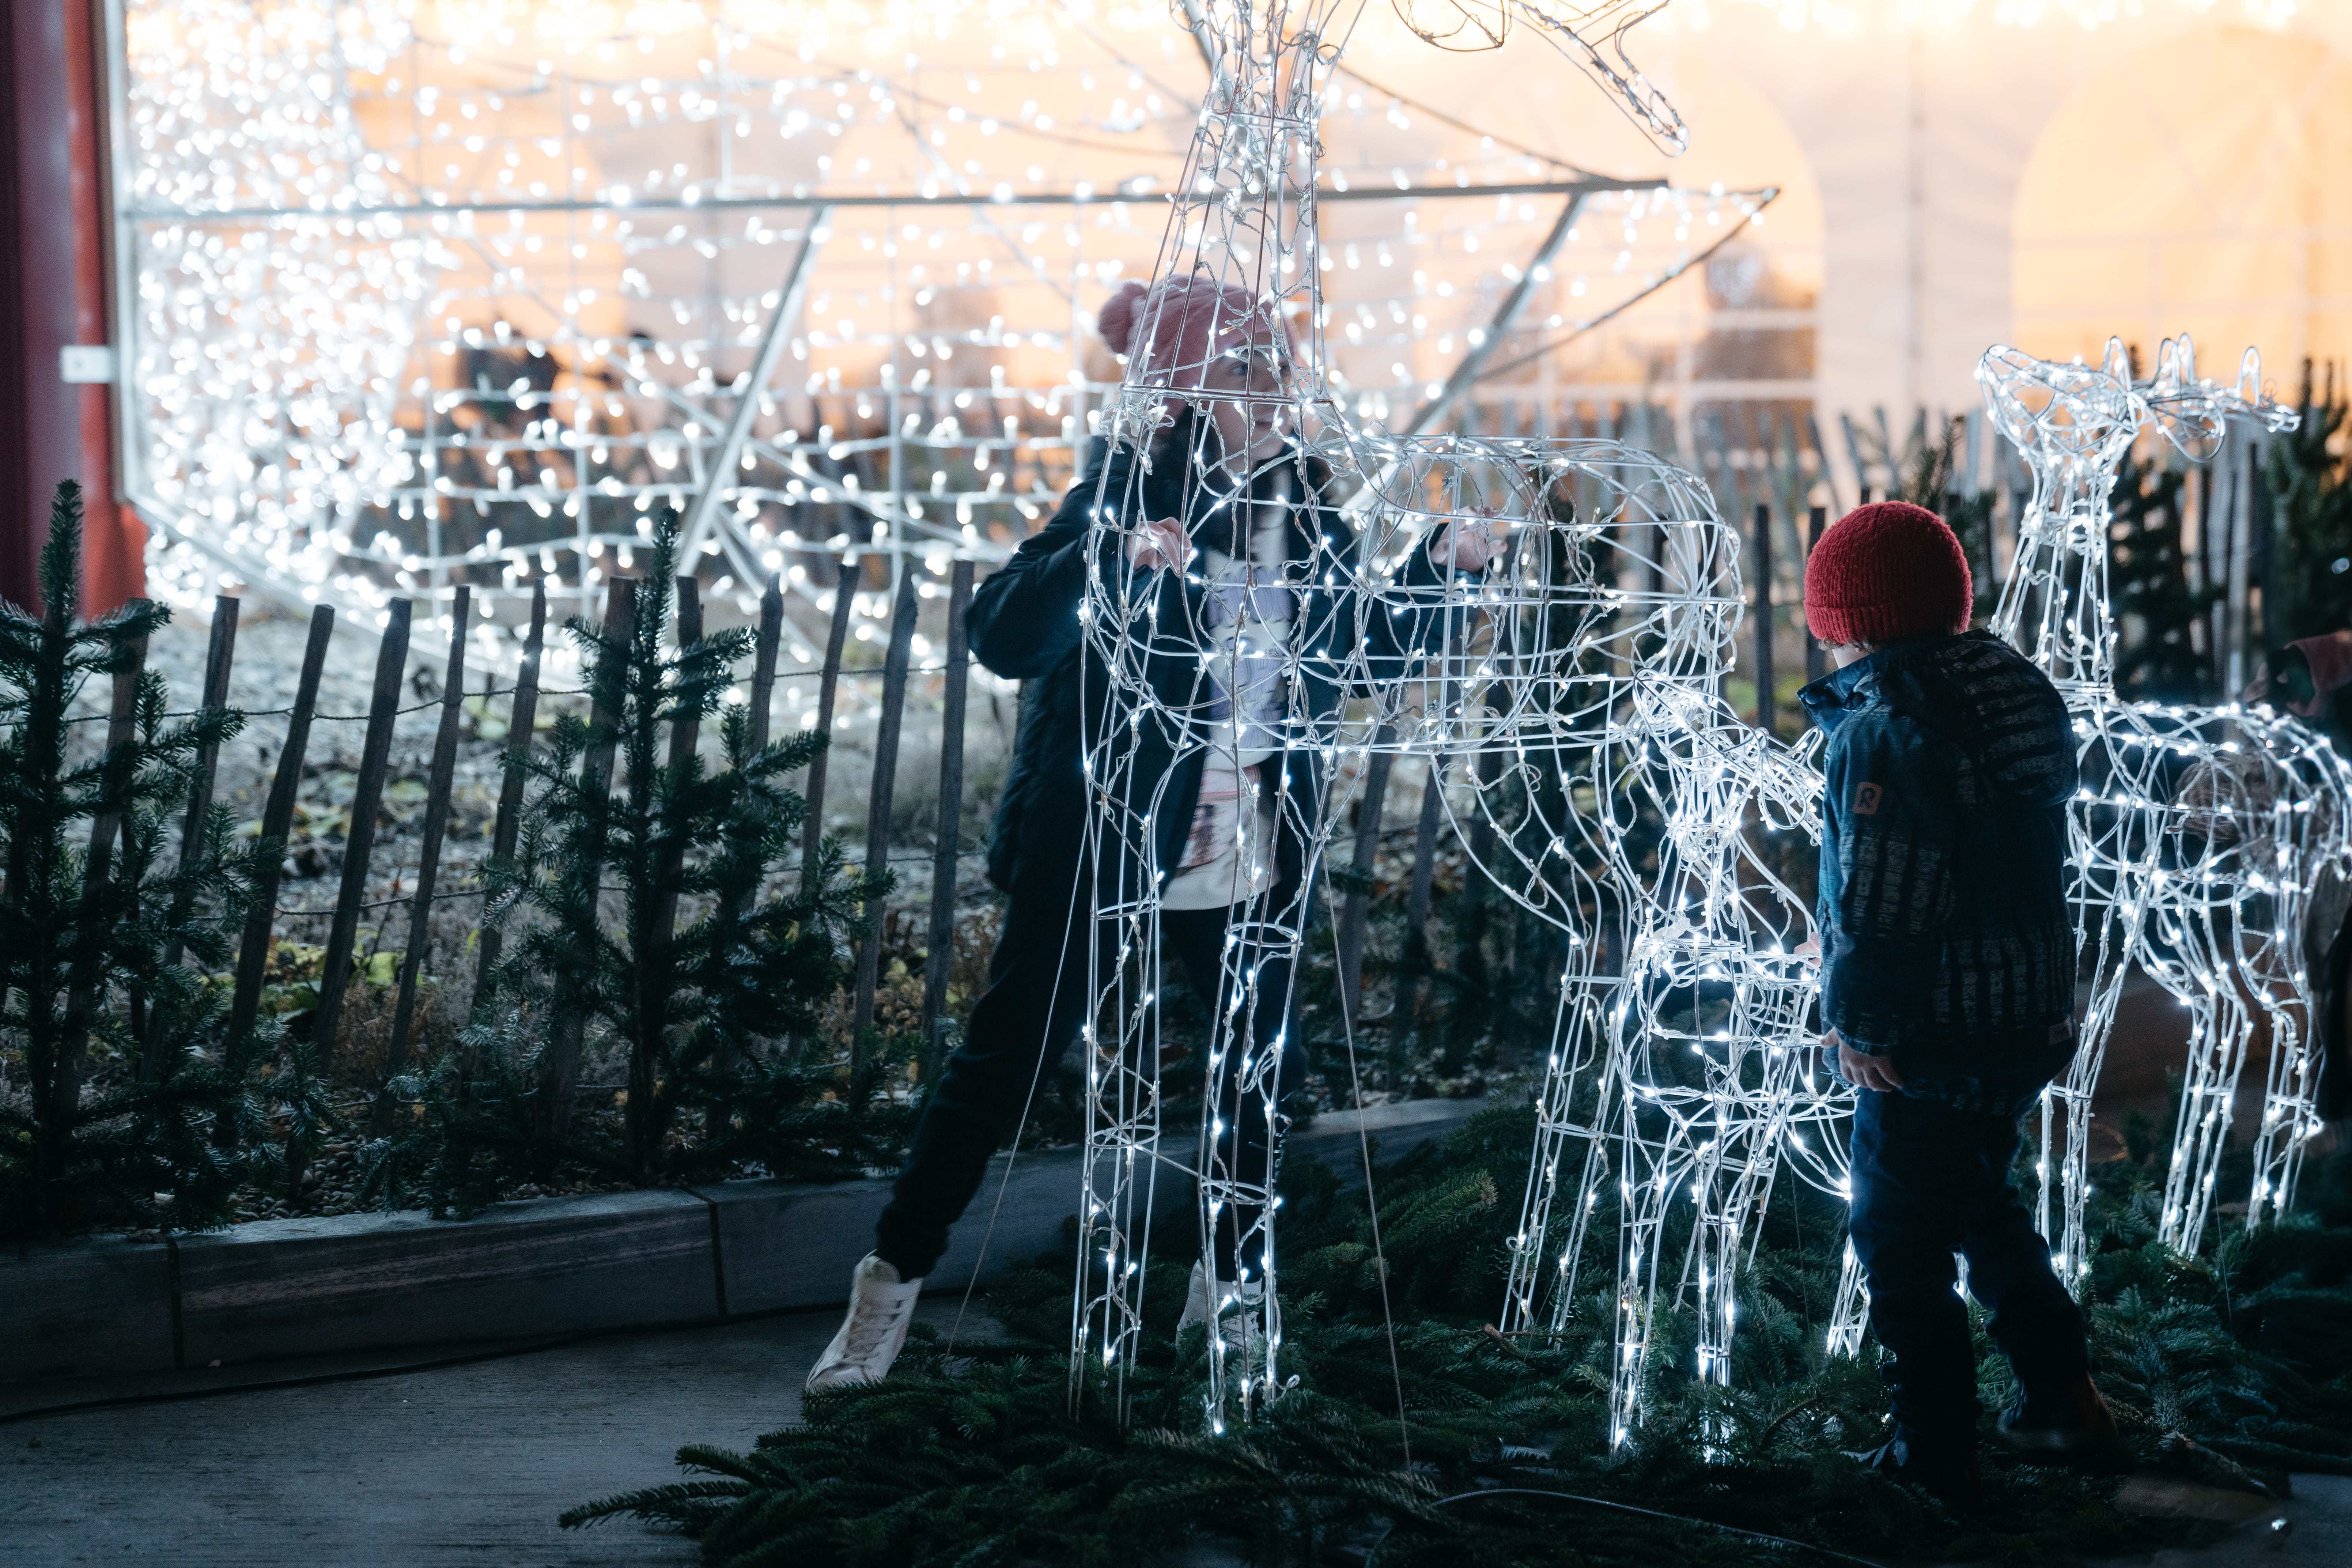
x=1976, y=691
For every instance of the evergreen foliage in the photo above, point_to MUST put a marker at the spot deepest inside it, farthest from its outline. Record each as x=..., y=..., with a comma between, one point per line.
x=640, y=915
x=2311, y=486
x=971, y=1453
x=2149, y=590
x=119, y=1100
x=1931, y=478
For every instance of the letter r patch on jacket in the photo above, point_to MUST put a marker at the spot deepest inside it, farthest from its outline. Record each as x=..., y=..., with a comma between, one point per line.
x=1865, y=800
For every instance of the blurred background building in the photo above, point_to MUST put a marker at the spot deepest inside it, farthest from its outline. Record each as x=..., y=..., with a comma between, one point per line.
x=399, y=293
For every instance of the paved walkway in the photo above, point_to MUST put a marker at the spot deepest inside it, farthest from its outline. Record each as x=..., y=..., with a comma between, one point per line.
x=470, y=1464
x=466, y=1464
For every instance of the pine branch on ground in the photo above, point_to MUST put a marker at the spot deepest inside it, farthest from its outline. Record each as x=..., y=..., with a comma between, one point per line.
x=2224, y=1368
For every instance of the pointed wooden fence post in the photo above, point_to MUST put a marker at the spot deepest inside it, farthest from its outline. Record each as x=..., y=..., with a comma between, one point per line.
x=1355, y=911
x=763, y=662
x=877, y=806
x=845, y=596
x=1424, y=863
x=521, y=718
x=220, y=653
x=938, y=957
x=653, y=1016
x=1765, y=695
x=436, y=823
x=1817, y=661
x=218, y=656
x=559, y=1074
x=87, y=973
x=685, y=736
x=276, y=824
x=1418, y=897
x=764, y=650
x=1486, y=771
x=359, y=835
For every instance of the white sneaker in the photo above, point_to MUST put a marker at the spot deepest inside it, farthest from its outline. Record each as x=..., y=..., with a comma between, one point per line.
x=1215, y=1302
x=881, y=1306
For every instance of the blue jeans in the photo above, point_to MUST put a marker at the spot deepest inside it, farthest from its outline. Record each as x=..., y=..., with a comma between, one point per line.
x=1930, y=1181
x=1028, y=1017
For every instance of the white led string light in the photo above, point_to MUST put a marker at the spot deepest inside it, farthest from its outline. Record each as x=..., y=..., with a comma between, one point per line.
x=429, y=292
x=1547, y=674
x=2193, y=842
x=2198, y=832
x=420, y=294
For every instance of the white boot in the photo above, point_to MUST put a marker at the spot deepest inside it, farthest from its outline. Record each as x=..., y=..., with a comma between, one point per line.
x=881, y=1306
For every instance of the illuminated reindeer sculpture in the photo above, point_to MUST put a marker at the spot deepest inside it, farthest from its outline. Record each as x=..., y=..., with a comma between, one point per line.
x=1350, y=640
x=2198, y=831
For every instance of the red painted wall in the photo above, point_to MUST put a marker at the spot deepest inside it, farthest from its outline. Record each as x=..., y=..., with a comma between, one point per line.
x=53, y=292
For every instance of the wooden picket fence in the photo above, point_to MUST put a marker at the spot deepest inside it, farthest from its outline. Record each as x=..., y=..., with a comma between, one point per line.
x=375, y=763
x=895, y=671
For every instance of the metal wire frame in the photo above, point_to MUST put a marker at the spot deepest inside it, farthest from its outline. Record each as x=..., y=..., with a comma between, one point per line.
x=2199, y=831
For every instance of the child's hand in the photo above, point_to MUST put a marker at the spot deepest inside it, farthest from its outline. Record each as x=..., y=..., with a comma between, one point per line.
x=1467, y=546
x=1861, y=1068
x=1810, y=949
x=1161, y=543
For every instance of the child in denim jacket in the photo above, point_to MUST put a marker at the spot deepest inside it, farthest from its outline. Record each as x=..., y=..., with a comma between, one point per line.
x=1947, y=982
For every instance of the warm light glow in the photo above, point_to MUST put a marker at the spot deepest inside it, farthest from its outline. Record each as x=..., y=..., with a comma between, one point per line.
x=461, y=289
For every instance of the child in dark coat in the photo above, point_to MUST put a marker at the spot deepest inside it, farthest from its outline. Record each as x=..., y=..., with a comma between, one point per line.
x=1947, y=982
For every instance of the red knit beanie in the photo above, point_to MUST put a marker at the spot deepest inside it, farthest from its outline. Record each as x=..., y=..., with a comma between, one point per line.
x=1885, y=572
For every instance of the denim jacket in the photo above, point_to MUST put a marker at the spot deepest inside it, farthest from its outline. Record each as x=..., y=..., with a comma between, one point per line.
x=1945, y=940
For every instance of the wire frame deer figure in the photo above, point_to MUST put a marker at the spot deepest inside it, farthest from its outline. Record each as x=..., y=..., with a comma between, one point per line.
x=2198, y=831
x=1347, y=640
x=1695, y=1083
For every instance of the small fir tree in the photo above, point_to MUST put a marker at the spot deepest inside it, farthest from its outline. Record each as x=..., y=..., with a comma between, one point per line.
x=119, y=1102
x=644, y=919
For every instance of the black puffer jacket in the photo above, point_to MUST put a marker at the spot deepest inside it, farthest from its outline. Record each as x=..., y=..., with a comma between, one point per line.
x=1945, y=940
x=1024, y=625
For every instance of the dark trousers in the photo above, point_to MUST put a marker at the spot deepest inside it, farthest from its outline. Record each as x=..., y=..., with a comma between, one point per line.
x=1035, y=1002
x=1930, y=1181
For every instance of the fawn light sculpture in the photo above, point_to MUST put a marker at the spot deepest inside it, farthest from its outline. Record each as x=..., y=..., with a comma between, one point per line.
x=2198, y=831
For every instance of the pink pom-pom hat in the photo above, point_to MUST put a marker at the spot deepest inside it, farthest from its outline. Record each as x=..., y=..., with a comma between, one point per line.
x=1172, y=330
